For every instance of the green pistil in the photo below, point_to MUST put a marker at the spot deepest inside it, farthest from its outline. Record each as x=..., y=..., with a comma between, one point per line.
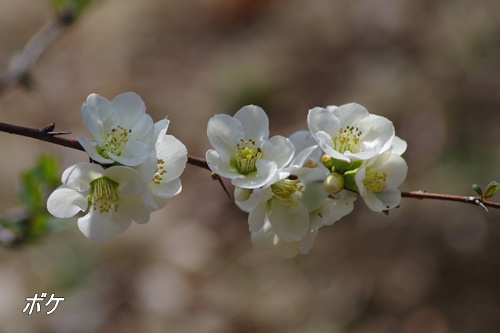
x=374, y=180
x=246, y=156
x=114, y=141
x=347, y=140
x=159, y=172
x=104, y=195
x=285, y=189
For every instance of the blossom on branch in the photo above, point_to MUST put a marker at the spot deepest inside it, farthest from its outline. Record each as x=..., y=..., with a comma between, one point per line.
x=243, y=151
x=121, y=129
x=349, y=133
x=110, y=198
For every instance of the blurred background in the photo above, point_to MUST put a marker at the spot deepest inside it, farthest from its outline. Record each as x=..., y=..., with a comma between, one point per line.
x=432, y=67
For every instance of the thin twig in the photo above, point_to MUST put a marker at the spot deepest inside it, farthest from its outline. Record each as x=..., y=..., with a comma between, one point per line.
x=448, y=197
x=20, y=64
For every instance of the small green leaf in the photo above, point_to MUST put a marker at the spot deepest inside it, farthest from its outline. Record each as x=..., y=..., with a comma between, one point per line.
x=477, y=189
x=491, y=189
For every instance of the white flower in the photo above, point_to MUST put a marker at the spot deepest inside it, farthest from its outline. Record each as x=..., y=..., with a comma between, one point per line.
x=110, y=198
x=165, y=165
x=266, y=238
x=330, y=211
x=349, y=132
x=378, y=179
x=243, y=151
x=121, y=130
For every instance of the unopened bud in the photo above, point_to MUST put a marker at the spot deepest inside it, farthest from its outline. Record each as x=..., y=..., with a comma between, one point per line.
x=333, y=183
x=242, y=194
x=327, y=161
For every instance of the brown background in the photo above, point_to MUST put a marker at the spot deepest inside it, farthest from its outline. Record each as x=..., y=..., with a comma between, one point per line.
x=432, y=67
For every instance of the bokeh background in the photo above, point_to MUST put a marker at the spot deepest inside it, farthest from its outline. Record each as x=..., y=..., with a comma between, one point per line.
x=432, y=67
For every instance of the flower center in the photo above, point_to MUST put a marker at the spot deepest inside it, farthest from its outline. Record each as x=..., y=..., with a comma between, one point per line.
x=246, y=156
x=374, y=180
x=104, y=194
x=347, y=140
x=285, y=191
x=114, y=141
x=159, y=172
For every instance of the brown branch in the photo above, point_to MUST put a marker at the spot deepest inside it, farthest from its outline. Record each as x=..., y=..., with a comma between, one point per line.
x=478, y=201
x=47, y=134
x=18, y=70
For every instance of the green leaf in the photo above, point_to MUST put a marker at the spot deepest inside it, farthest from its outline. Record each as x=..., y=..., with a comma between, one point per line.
x=491, y=189
x=477, y=189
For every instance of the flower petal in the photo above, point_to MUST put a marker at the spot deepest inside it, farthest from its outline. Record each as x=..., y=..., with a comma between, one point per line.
x=134, y=153
x=102, y=226
x=65, y=202
x=167, y=189
x=255, y=123
x=174, y=154
x=322, y=120
x=224, y=133
x=289, y=223
x=266, y=170
x=278, y=149
x=257, y=216
x=90, y=147
x=350, y=114
x=219, y=166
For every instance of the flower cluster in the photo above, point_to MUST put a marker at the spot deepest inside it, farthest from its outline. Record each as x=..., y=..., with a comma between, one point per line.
x=134, y=168
x=291, y=187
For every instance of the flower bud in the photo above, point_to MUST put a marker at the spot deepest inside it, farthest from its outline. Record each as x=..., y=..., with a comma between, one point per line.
x=333, y=183
x=242, y=194
x=327, y=161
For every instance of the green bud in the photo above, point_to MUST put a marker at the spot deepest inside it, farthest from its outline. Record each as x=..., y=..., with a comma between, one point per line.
x=242, y=194
x=333, y=183
x=327, y=161
x=477, y=189
x=491, y=189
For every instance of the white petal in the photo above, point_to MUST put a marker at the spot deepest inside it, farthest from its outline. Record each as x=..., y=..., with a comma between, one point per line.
x=380, y=201
x=130, y=184
x=350, y=114
x=219, y=166
x=100, y=227
x=289, y=223
x=377, y=134
x=255, y=123
x=134, y=209
x=167, y=189
x=278, y=149
x=326, y=144
x=287, y=249
x=266, y=170
x=335, y=209
x=65, y=202
x=313, y=196
x=263, y=239
x=90, y=147
x=322, y=120
x=99, y=116
x=398, y=145
x=130, y=106
x=396, y=170
x=302, y=140
x=174, y=154
x=224, y=133
x=79, y=176
x=133, y=153
x=257, y=216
